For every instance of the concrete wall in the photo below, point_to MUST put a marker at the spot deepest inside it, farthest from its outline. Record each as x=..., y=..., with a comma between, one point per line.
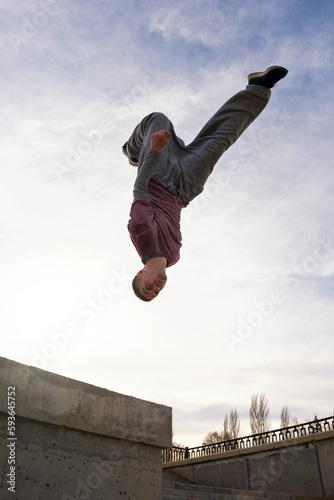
x=75, y=440
x=301, y=466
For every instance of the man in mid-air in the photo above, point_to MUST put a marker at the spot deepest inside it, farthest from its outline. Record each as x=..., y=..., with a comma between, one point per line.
x=171, y=174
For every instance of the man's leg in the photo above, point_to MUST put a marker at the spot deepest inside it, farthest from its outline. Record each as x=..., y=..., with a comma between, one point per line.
x=221, y=131
x=139, y=140
x=167, y=170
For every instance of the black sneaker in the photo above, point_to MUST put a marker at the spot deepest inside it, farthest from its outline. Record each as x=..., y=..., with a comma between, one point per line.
x=133, y=161
x=267, y=78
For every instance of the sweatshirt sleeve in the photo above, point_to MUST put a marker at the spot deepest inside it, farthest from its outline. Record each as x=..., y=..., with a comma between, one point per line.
x=144, y=175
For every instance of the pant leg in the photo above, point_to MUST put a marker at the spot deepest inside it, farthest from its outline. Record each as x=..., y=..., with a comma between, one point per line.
x=221, y=131
x=167, y=171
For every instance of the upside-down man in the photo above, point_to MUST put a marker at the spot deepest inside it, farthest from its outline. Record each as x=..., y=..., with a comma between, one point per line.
x=171, y=174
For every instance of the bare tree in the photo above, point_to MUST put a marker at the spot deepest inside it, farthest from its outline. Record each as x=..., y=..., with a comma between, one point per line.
x=230, y=430
x=285, y=417
x=212, y=437
x=226, y=430
x=259, y=414
x=234, y=424
x=178, y=445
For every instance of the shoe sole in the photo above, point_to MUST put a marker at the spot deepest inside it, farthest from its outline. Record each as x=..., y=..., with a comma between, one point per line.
x=133, y=163
x=263, y=73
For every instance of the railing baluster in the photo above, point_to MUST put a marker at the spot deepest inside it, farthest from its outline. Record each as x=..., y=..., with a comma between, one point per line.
x=175, y=453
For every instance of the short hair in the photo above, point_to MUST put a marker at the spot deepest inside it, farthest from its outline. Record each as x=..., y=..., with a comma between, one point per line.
x=135, y=286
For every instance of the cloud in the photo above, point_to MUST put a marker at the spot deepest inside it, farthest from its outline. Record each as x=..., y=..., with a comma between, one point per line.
x=73, y=92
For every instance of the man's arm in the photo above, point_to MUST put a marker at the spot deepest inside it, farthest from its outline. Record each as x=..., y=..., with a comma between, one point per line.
x=158, y=141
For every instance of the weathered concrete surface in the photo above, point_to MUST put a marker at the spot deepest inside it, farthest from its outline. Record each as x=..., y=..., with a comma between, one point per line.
x=300, y=466
x=75, y=440
x=47, y=397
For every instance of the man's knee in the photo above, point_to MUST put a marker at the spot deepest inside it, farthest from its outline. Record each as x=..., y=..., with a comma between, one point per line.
x=159, y=115
x=160, y=120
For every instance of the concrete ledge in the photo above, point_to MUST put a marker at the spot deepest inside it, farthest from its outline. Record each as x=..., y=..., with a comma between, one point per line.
x=74, y=440
x=51, y=398
x=300, y=466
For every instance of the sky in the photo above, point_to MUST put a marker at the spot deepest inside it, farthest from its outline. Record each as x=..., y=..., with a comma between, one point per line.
x=248, y=309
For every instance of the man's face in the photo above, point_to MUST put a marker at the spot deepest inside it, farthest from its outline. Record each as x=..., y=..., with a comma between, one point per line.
x=151, y=283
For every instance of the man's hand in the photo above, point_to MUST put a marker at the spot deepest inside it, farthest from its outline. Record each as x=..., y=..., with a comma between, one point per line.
x=159, y=139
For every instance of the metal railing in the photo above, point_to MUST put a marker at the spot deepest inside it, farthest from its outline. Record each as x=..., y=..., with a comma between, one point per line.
x=175, y=453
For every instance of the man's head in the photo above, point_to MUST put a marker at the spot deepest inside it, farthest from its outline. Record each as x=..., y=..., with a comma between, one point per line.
x=149, y=282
